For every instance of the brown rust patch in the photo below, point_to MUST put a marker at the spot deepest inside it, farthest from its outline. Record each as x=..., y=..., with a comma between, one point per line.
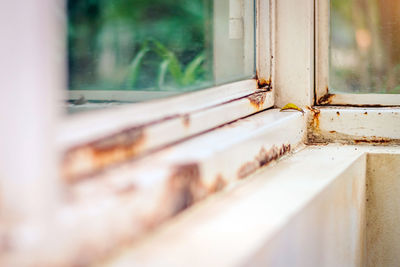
x=315, y=114
x=365, y=113
x=218, y=184
x=338, y=113
x=264, y=84
x=186, y=120
x=184, y=187
x=313, y=124
x=373, y=140
x=257, y=100
x=325, y=99
x=324, y=137
x=247, y=169
x=263, y=158
x=83, y=161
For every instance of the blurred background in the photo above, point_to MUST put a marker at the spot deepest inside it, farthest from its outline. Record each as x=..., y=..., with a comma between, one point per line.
x=365, y=46
x=162, y=45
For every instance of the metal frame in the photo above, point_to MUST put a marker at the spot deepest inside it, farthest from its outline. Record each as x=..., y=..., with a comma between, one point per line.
x=322, y=92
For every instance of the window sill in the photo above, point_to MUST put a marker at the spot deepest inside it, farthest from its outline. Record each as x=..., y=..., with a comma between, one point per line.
x=307, y=210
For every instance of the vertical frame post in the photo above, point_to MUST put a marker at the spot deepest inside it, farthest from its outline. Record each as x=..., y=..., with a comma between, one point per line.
x=32, y=78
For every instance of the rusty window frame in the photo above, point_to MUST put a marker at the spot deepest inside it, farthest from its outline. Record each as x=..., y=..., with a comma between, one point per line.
x=123, y=133
x=323, y=96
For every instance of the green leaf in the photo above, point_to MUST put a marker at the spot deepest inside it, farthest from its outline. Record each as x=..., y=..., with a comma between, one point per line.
x=162, y=72
x=134, y=67
x=292, y=106
x=189, y=75
x=174, y=66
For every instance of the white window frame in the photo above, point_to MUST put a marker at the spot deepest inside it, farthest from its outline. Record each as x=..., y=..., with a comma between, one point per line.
x=168, y=120
x=323, y=95
x=232, y=151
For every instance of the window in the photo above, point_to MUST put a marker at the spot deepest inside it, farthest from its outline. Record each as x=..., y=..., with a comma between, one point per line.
x=357, y=52
x=97, y=179
x=132, y=51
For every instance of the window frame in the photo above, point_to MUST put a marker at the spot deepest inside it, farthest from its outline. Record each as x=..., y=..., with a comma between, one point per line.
x=292, y=80
x=324, y=97
x=169, y=120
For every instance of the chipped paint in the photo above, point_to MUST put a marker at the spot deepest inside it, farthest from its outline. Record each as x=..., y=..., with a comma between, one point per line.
x=264, y=84
x=88, y=159
x=263, y=158
x=326, y=99
x=257, y=100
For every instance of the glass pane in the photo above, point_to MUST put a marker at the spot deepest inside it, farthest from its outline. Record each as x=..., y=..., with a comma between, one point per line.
x=134, y=50
x=365, y=46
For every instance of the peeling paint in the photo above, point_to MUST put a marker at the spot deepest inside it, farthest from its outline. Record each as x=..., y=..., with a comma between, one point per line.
x=257, y=100
x=264, y=84
x=325, y=99
x=85, y=160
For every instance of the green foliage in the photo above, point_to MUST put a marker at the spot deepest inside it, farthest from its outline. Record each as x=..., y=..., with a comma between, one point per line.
x=134, y=67
x=169, y=64
x=139, y=44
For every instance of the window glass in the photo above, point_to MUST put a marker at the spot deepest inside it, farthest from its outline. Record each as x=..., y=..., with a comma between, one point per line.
x=134, y=50
x=365, y=46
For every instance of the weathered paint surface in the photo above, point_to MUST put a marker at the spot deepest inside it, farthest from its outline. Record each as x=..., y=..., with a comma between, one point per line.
x=257, y=100
x=263, y=158
x=86, y=160
x=120, y=204
x=294, y=214
x=383, y=205
x=371, y=126
x=325, y=99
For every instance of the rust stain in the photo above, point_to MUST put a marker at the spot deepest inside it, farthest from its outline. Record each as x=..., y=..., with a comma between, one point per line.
x=314, y=118
x=186, y=120
x=338, y=113
x=373, y=140
x=218, y=185
x=247, y=169
x=313, y=129
x=326, y=99
x=85, y=160
x=263, y=158
x=184, y=187
x=365, y=113
x=324, y=137
x=257, y=100
x=264, y=84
